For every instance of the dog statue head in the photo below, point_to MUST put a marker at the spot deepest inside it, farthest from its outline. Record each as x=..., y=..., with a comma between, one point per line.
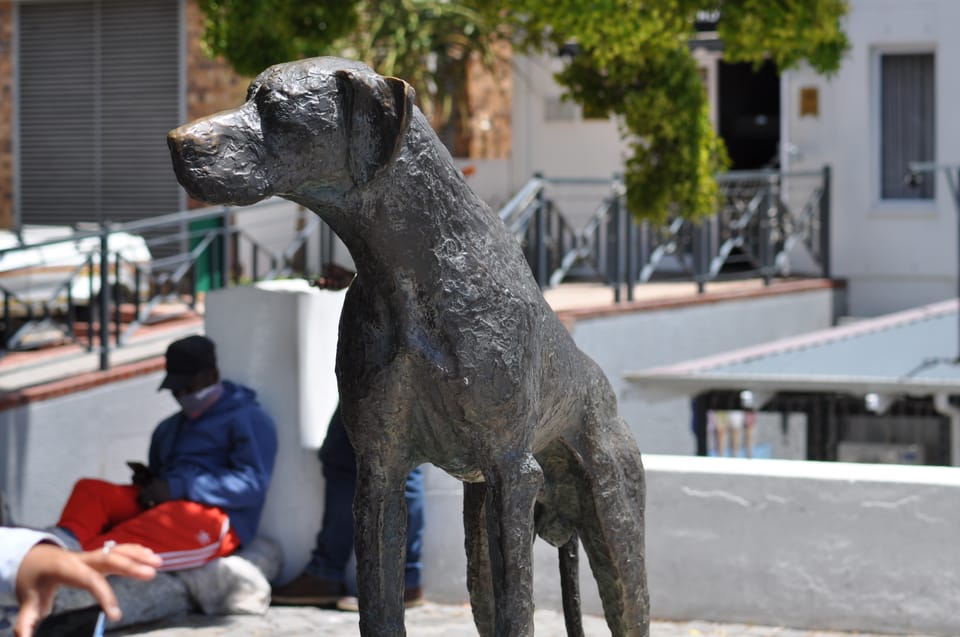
x=320, y=127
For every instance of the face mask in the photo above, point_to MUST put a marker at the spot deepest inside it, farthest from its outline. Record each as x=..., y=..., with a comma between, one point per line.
x=199, y=401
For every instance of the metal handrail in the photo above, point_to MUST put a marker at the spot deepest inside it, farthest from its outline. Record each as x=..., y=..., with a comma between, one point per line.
x=733, y=176
x=167, y=274
x=735, y=241
x=663, y=249
x=581, y=250
x=522, y=200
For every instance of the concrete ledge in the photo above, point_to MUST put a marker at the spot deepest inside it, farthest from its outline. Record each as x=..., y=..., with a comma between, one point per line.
x=78, y=382
x=804, y=544
x=807, y=545
x=716, y=293
x=71, y=370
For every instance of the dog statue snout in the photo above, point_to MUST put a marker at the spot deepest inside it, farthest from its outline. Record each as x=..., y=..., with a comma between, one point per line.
x=218, y=162
x=199, y=138
x=186, y=162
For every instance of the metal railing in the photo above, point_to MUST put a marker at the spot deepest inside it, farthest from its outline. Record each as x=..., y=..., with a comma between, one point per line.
x=769, y=224
x=766, y=220
x=189, y=252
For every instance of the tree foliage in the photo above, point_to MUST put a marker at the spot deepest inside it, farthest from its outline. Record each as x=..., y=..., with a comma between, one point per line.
x=425, y=42
x=255, y=34
x=633, y=60
x=788, y=31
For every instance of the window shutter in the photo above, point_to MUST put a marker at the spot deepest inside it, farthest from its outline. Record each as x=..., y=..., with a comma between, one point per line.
x=99, y=89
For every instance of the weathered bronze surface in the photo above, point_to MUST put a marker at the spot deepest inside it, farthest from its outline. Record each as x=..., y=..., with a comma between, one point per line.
x=448, y=352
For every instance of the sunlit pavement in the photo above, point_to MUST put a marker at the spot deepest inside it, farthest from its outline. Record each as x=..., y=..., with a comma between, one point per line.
x=428, y=621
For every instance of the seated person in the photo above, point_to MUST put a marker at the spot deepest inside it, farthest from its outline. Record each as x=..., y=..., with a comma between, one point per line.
x=202, y=494
x=34, y=564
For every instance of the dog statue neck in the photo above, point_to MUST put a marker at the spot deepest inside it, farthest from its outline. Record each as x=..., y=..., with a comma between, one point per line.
x=417, y=211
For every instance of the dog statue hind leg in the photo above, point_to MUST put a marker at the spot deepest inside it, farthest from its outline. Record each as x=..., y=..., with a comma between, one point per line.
x=608, y=523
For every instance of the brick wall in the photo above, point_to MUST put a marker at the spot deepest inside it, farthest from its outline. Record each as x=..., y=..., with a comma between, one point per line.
x=211, y=84
x=490, y=95
x=6, y=114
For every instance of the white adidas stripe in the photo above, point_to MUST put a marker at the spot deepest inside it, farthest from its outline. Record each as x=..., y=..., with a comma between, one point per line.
x=179, y=560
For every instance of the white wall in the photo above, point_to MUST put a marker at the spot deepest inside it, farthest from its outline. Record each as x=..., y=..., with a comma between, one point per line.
x=804, y=544
x=577, y=148
x=280, y=339
x=894, y=255
x=490, y=179
x=772, y=542
x=46, y=446
x=264, y=339
x=640, y=340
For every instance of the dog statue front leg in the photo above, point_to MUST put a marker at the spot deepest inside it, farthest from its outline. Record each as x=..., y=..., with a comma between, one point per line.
x=380, y=514
x=515, y=484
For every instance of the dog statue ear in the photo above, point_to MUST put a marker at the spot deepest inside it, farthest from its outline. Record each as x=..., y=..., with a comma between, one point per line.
x=376, y=111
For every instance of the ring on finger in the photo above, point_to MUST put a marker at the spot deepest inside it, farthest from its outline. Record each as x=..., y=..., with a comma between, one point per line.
x=108, y=545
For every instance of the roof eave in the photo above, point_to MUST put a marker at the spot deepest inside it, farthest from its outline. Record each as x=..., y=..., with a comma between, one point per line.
x=663, y=386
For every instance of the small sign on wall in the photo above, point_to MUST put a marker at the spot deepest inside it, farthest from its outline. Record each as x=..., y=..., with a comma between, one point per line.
x=809, y=101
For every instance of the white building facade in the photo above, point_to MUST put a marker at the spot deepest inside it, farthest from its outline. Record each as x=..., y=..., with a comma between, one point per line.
x=890, y=104
x=892, y=238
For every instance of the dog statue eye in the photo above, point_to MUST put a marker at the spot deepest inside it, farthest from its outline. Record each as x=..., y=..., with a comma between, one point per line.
x=277, y=108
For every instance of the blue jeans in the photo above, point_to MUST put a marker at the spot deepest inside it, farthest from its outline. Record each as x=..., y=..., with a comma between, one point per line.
x=335, y=539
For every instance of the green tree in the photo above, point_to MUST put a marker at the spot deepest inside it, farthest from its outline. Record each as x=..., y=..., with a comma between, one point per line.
x=254, y=34
x=426, y=42
x=632, y=61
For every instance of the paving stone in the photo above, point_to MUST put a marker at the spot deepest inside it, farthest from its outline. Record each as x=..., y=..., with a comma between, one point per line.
x=430, y=620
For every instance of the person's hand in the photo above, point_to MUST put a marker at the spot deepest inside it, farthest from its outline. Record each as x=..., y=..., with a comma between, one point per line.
x=141, y=475
x=153, y=493
x=46, y=567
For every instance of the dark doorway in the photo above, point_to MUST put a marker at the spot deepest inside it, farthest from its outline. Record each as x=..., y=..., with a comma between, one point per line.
x=749, y=114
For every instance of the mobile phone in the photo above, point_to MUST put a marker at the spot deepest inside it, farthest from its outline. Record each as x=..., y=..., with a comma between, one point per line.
x=136, y=466
x=83, y=622
x=100, y=625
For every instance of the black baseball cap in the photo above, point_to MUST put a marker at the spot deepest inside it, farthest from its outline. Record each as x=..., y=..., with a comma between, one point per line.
x=187, y=357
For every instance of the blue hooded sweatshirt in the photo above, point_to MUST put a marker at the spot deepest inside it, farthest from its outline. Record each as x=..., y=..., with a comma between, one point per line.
x=223, y=458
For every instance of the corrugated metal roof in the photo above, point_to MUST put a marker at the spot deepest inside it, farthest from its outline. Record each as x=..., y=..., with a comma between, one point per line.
x=908, y=352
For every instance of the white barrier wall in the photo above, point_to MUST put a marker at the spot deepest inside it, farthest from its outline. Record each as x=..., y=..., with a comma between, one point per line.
x=46, y=446
x=280, y=339
x=766, y=542
x=770, y=542
x=805, y=544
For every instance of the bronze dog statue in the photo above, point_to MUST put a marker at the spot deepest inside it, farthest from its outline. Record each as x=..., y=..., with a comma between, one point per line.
x=448, y=352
